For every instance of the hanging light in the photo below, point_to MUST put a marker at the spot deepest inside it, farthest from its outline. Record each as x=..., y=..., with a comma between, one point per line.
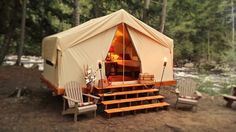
x=165, y=61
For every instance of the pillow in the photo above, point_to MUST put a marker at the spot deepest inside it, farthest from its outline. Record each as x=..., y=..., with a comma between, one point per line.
x=114, y=56
x=120, y=57
x=135, y=58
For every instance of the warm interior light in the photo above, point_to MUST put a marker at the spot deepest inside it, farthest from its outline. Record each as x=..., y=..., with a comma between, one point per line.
x=112, y=49
x=165, y=59
x=99, y=64
x=119, y=33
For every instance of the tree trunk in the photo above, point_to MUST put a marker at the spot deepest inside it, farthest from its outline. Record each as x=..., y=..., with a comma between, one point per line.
x=76, y=13
x=5, y=47
x=97, y=8
x=163, y=16
x=232, y=15
x=22, y=37
x=208, y=48
x=9, y=33
x=145, y=10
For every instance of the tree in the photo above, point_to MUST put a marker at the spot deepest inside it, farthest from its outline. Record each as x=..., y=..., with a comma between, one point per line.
x=97, y=8
x=9, y=10
x=22, y=34
x=145, y=10
x=76, y=13
x=163, y=15
x=199, y=28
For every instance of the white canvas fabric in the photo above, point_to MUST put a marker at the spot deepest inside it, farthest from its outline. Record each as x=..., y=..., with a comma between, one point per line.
x=74, y=36
x=152, y=56
x=71, y=50
x=75, y=59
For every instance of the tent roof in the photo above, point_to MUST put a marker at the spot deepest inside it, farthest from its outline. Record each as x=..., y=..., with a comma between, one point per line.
x=75, y=35
x=71, y=37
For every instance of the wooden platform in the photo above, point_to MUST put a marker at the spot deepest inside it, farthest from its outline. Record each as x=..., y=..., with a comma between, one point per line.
x=118, y=78
x=128, y=92
x=125, y=86
x=130, y=97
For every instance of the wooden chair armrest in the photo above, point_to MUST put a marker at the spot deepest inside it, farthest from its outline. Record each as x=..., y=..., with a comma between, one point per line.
x=92, y=96
x=173, y=91
x=199, y=95
x=177, y=91
x=68, y=98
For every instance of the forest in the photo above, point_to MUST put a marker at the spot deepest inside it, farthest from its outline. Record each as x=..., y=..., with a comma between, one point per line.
x=138, y=92
x=202, y=30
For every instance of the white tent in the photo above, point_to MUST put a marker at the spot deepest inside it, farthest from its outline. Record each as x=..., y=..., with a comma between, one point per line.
x=68, y=52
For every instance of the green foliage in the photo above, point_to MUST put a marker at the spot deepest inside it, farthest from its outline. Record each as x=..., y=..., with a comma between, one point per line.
x=200, y=29
x=197, y=23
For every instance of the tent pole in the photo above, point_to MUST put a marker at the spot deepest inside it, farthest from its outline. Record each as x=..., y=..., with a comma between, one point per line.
x=164, y=66
x=100, y=69
x=123, y=25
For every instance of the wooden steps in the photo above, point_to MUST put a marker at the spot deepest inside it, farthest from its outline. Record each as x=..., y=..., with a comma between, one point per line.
x=137, y=107
x=119, y=101
x=128, y=92
x=130, y=97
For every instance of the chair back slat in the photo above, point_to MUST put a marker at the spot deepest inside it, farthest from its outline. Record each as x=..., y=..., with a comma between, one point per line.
x=186, y=86
x=74, y=91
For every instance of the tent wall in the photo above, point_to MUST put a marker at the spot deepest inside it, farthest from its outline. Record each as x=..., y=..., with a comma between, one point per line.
x=49, y=49
x=89, y=52
x=152, y=56
x=50, y=73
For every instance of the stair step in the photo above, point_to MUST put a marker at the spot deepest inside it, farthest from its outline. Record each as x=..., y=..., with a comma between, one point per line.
x=125, y=86
x=138, y=107
x=128, y=92
x=131, y=100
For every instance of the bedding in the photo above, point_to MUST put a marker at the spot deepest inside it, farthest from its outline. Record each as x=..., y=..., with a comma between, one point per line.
x=129, y=63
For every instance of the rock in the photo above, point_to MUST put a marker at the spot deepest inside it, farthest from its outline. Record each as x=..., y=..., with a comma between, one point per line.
x=189, y=65
x=174, y=127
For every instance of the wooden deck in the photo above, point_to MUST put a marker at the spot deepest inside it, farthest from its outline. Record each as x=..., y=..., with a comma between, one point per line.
x=125, y=86
x=129, y=92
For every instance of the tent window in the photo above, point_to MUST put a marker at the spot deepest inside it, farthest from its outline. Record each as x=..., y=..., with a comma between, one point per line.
x=49, y=63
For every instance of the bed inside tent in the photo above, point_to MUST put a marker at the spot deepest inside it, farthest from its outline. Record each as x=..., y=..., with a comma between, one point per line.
x=122, y=63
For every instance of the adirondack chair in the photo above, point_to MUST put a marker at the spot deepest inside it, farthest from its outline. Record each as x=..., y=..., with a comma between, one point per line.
x=75, y=104
x=186, y=92
x=230, y=98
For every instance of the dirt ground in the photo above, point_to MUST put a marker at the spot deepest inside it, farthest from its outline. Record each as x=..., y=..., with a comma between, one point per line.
x=39, y=111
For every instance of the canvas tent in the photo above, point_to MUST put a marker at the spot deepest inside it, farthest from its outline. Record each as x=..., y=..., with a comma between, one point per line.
x=66, y=53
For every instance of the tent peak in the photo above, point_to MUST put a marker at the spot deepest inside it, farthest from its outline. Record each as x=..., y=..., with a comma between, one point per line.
x=122, y=10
